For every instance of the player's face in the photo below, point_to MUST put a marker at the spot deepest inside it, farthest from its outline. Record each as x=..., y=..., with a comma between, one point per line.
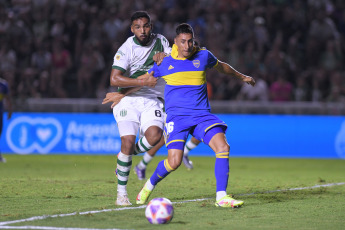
x=141, y=28
x=185, y=43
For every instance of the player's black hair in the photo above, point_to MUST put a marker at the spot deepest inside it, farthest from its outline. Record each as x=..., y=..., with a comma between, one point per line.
x=140, y=14
x=184, y=28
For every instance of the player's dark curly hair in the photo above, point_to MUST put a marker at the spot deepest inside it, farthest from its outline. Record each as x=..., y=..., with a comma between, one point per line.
x=184, y=28
x=140, y=14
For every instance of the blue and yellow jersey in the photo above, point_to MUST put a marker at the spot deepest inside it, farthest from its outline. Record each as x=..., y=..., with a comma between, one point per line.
x=186, y=89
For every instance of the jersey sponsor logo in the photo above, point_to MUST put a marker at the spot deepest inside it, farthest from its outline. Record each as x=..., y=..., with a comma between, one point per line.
x=170, y=67
x=123, y=113
x=196, y=63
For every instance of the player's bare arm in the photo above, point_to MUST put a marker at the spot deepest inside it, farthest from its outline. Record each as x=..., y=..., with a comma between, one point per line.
x=158, y=58
x=117, y=79
x=148, y=78
x=116, y=97
x=227, y=69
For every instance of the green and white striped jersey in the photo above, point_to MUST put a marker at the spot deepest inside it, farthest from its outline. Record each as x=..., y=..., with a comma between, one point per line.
x=135, y=60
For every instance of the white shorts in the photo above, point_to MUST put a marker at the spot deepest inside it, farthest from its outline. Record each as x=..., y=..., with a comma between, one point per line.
x=133, y=113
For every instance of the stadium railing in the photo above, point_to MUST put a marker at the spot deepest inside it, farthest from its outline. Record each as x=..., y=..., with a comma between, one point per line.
x=233, y=107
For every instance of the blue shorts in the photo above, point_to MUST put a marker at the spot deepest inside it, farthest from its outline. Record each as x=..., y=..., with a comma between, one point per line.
x=203, y=127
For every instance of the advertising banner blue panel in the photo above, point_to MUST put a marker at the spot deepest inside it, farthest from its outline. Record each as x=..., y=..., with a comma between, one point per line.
x=290, y=136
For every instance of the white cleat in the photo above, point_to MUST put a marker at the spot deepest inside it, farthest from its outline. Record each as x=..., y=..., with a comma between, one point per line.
x=188, y=163
x=122, y=200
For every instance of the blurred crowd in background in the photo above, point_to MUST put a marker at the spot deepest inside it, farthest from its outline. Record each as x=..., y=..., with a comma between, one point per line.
x=64, y=48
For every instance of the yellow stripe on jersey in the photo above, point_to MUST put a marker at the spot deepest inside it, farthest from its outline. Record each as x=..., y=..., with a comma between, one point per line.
x=179, y=78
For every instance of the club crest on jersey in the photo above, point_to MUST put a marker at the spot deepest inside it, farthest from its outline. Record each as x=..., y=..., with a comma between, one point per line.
x=123, y=113
x=196, y=63
x=117, y=57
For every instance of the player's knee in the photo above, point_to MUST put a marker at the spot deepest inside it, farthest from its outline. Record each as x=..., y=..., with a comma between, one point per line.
x=153, y=135
x=127, y=145
x=222, y=147
x=174, y=162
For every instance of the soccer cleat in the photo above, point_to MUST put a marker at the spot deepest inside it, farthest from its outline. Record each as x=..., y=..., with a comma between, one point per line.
x=187, y=162
x=122, y=200
x=143, y=195
x=229, y=202
x=140, y=173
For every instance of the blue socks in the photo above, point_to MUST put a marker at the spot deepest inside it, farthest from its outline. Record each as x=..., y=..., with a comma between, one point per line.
x=221, y=170
x=163, y=169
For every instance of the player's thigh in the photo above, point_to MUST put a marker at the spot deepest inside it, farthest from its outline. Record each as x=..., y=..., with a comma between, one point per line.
x=127, y=128
x=127, y=117
x=152, y=116
x=176, y=131
x=207, y=126
x=218, y=142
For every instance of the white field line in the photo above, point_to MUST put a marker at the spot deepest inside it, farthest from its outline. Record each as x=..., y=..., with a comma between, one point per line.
x=53, y=228
x=3, y=224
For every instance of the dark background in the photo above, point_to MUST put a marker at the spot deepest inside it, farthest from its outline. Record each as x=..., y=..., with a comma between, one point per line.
x=65, y=48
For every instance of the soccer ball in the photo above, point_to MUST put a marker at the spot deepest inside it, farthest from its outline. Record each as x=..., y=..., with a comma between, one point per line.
x=159, y=211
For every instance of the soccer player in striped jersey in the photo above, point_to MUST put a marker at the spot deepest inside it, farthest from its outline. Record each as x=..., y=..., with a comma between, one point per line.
x=141, y=110
x=188, y=111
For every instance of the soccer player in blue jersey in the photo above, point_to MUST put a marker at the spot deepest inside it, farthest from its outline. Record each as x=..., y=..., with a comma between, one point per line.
x=4, y=95
x=188, y=111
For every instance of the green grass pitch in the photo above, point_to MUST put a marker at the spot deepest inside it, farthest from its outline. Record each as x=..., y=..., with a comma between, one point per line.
x=36, y=185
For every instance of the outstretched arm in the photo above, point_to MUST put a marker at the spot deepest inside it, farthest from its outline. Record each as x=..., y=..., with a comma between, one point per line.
x=116, y=97
x=227, y=69
x=117, y=79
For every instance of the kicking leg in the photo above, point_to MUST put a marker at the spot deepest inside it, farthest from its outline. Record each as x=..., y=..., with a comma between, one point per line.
x=164, y=168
